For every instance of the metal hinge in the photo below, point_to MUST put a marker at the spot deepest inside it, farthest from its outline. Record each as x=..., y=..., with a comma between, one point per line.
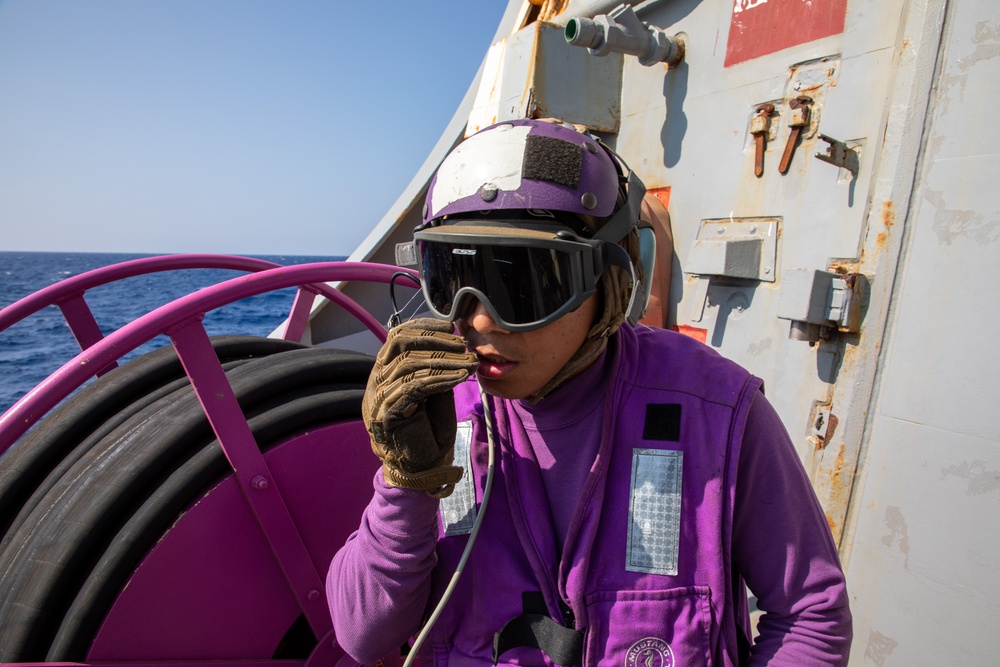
x=819, y=303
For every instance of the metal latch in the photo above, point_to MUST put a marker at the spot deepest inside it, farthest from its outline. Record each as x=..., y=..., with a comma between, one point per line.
x=821, y=302
x=800, y=117
x=760, y=128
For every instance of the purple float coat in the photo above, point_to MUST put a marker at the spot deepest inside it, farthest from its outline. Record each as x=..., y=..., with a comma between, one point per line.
x=671, y=499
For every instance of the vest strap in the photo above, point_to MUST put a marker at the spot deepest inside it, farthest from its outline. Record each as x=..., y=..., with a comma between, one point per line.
x=564, y=646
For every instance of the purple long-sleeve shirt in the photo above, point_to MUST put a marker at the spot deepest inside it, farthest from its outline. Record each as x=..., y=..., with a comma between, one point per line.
x=380, y=581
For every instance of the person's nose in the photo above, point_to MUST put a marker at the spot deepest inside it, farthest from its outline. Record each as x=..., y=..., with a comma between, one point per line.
x=479, y=319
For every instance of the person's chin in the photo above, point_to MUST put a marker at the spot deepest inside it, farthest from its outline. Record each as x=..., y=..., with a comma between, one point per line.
x=502, y=388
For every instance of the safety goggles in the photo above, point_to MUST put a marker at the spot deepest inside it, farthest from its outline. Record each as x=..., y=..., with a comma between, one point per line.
x=525, y=278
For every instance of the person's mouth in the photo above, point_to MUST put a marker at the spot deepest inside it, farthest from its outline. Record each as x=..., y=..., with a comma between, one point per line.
x=493, y=366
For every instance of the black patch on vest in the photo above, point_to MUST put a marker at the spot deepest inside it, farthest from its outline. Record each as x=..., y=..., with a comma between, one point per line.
x=663, y=422
x=553, y=160
x=536, y=629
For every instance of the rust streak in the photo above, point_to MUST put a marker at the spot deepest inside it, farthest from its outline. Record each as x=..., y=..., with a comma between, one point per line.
x=550, y=8
x=888, y=214
x=838, y=466
x=888, y=220
x=835, y=488
x=831, y=427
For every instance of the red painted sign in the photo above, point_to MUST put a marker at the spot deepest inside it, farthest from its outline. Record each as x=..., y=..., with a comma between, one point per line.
x=759, y=27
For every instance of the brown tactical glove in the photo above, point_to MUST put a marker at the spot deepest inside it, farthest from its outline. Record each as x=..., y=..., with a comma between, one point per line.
x=409, y=405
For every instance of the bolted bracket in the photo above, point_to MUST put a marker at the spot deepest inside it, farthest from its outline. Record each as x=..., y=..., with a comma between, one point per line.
x=740, y=249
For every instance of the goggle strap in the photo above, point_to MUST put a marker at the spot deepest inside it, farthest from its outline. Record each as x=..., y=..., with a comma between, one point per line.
x=613, y=254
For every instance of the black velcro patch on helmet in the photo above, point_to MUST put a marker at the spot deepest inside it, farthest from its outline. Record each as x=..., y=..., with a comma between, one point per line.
x=553, y=160
x=663, y=422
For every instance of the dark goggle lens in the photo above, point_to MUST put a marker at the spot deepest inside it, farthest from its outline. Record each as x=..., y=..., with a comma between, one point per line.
x=523, y=284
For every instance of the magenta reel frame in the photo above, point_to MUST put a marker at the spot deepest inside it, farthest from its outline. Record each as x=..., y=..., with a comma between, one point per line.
x=248, y=559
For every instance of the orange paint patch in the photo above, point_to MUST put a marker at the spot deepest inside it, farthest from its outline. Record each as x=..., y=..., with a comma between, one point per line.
x=692, y=332
x=663, y=194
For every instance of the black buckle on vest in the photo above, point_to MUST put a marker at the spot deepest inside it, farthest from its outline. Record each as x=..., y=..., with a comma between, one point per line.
x=534, y=628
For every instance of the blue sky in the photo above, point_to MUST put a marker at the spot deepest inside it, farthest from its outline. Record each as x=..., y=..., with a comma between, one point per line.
x=229, y=126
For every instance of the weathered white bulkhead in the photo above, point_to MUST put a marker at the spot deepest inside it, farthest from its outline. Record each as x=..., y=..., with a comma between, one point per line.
x=857, y=290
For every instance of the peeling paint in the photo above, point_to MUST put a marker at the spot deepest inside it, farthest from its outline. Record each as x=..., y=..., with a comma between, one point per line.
x=987, y=47
x=981, y=480
x=898, y=535
x=987, y=41
x=952, y=224
x=879, y=647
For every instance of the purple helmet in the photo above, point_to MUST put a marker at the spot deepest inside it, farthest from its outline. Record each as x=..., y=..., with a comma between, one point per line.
x=523, y=165
x=527, y=217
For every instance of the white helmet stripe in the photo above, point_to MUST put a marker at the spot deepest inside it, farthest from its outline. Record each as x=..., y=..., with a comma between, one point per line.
x=464, y=171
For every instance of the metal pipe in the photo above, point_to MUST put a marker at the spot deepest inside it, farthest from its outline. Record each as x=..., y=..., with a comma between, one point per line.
x=621, y=31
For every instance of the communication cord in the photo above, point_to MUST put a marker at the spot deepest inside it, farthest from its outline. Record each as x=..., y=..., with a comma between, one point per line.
x=472, y=537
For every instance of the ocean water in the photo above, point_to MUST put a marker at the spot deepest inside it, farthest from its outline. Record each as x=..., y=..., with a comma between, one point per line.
x=35, y=347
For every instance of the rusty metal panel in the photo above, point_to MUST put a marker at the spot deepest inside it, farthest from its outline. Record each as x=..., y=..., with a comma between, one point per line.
x=690, y=128
x=544, y=77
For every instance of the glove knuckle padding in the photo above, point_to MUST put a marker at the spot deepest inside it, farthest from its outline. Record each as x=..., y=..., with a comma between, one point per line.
x=409, y=407
x=427, y=368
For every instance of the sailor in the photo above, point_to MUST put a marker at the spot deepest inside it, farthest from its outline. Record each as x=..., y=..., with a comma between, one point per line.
x=641, y=482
